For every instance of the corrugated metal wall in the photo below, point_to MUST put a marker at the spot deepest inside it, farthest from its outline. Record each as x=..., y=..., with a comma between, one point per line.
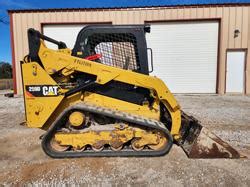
x=231, y=18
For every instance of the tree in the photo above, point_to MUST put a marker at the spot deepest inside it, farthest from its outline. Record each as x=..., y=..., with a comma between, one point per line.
x=5, y=70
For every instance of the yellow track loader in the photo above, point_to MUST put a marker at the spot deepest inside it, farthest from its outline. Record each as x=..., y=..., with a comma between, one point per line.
x=98, y=99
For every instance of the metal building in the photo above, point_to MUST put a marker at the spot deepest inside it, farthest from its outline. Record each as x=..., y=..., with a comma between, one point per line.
x=196, y=48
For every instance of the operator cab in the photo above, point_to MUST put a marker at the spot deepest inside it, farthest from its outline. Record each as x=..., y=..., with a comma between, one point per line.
x=122, y=46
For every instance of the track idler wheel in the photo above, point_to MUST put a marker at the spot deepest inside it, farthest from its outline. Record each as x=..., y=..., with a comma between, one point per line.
x=162, y=143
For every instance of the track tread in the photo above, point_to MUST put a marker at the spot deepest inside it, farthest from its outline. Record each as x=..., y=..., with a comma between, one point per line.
x=138, y=120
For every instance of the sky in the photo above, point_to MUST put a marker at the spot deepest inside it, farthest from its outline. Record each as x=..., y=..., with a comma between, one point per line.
x=5, y=48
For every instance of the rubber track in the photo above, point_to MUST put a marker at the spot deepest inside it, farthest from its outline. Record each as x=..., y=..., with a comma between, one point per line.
x=139, y=121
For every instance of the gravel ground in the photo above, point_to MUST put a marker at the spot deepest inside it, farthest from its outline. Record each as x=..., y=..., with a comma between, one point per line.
x=22, y=160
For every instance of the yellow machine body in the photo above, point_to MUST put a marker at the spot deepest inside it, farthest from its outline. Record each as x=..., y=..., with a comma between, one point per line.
x=38, y=109
x=46, y=106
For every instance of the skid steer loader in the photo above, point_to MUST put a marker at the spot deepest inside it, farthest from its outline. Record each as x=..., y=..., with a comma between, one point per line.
x=98, y=99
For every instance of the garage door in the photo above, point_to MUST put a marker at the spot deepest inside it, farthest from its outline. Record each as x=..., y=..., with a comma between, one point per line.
x=185, y=55
x=65, y=33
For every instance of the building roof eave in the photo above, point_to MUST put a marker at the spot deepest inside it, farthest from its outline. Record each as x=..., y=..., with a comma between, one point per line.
x=121, y=8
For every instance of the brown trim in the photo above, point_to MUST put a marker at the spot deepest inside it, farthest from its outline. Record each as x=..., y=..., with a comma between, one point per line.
x=218, y=57
x=245, y=68
x=13, y=53
x=182, y=20
x=42, y=24
x=127, y=8
x=219, y=38
x=236, y=49
x=245, y=72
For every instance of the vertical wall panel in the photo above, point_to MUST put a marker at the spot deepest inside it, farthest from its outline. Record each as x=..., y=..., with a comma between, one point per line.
x=206, y=13
x=124, y=17
x=91, y=17
x=193, y=13
x=118, y=17
x=99, y=16
x=23, y=23
x=180, y=14
x=200, y=12
x=130, y=16
x=174, y=13
x=245, y=27
x=36, y=19
x=82, y=16
x=47, y=17
x=17, y=43
x=25, y=37
x=232, y=19
x=79, y=16
x=149, y=14
x=52, y=17
x=106, y=16
x=41, y=19
x=71, y=17
x=143, y=15
x=112, y=16
x=138, y=17
x=223, y=47
x=213, y=11
x=187, y=13
x=64, y=17
x=154, y=14
x=219, y=12
x=167, y=14
x=238, y=25
x=141, y=18
x=57, y=17
x=161, y=14
x=74, y=16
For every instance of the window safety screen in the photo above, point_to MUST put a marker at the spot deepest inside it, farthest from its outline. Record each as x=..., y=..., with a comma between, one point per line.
x=118, y=50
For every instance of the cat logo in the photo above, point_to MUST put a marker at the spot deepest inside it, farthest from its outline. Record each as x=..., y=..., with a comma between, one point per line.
x=42, y=90
x=50, y=90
